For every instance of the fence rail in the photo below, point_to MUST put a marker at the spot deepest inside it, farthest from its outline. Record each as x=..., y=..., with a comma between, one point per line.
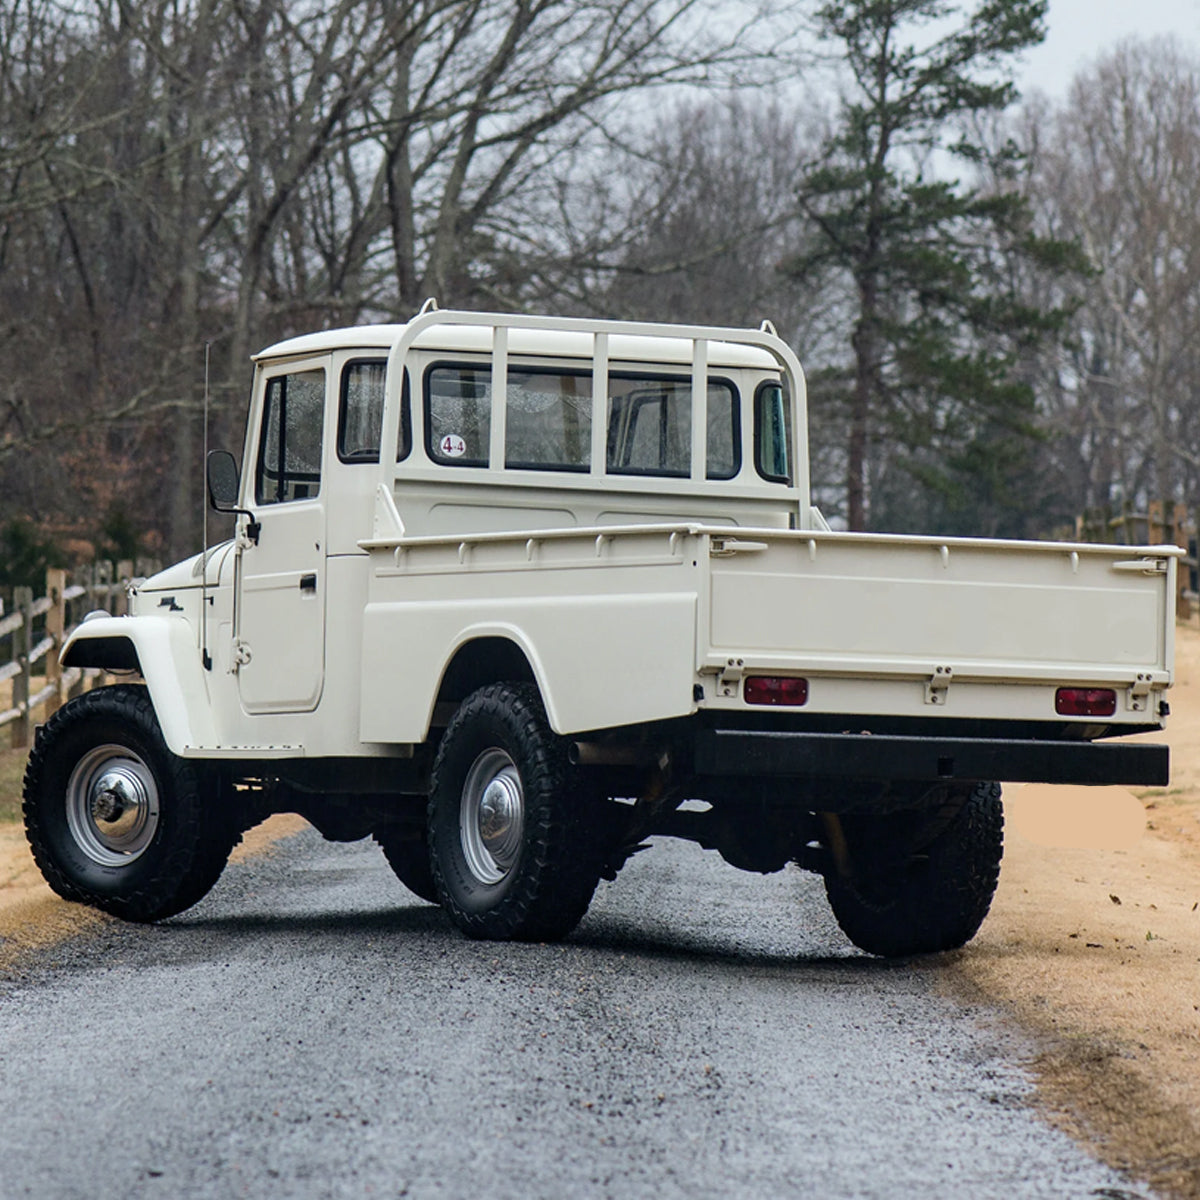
x=36, y=631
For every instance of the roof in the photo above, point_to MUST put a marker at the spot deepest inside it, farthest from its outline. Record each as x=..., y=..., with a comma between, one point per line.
x=553, y=343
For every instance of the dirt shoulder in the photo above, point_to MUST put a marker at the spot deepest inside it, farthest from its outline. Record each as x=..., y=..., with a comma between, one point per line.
x=1093, y=942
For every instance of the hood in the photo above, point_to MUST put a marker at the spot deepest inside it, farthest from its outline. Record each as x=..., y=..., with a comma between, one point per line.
x=186, y=574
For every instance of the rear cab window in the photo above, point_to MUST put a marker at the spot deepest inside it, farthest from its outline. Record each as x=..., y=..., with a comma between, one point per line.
x=548, y=420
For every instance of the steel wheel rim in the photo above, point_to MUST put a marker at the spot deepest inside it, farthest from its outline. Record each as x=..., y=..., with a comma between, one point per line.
x=112, y=805
x=491, y=818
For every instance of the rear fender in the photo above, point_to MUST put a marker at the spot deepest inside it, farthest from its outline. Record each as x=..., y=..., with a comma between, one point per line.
x=164, y=651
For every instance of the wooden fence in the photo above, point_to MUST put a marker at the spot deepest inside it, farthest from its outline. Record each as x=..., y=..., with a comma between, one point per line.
x=35, y=631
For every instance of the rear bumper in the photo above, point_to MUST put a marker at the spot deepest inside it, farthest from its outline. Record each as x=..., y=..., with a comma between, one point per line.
x=722, y=753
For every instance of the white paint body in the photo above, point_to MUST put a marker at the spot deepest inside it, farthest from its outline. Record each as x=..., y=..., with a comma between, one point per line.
x=633, y=599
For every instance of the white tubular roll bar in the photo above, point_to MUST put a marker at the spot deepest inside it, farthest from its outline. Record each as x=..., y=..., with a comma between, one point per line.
x=388, y=522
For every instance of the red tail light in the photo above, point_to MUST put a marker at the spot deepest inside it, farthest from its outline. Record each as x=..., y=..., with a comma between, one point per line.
x=775, y=689
x=1085, y=702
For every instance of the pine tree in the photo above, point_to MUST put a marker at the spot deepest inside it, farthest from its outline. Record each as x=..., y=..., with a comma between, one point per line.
x=938, y=323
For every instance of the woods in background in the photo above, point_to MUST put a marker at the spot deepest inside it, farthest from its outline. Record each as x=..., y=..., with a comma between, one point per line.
x=995, y=305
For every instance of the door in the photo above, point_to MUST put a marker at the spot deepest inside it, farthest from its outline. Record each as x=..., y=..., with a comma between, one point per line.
x=282, y=617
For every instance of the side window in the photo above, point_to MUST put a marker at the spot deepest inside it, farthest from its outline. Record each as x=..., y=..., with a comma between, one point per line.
x=650, y=427
x=772, y=433
x=360, y=415
x=289, y=455
x=549, y=422
x=458, y=415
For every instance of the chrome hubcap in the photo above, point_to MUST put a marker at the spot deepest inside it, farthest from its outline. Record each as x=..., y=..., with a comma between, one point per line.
x=112, y=805
x=492, y=816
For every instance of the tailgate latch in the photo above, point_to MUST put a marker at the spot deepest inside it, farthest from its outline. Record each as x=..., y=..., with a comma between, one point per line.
x=938, y=684
x=1142, y=566
x=727, y=547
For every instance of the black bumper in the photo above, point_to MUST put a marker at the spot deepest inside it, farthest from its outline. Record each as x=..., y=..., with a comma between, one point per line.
x=722, y=753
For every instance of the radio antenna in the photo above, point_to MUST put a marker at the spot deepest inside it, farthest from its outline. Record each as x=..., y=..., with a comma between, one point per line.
x=204, y=655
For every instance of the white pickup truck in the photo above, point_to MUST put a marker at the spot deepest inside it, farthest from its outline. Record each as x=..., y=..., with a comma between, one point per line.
x=514, y=594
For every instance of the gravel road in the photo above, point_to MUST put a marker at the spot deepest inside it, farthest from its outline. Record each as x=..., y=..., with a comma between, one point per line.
x=313, y=1030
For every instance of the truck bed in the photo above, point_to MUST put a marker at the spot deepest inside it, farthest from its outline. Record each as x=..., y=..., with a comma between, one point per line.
x=641, y=623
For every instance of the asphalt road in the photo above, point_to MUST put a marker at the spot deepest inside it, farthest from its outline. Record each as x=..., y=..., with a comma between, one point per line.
x=313, y=1030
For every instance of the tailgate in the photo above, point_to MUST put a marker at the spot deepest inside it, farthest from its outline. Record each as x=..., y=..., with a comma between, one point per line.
x=949, y=612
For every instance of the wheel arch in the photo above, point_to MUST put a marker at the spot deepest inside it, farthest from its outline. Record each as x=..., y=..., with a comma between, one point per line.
x=480, y=658
x=164, y=652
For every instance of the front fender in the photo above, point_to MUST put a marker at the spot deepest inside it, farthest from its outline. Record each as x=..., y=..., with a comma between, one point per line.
x=164, y=651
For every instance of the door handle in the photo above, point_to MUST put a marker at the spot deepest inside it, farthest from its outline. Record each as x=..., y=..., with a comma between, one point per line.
x=308, y=583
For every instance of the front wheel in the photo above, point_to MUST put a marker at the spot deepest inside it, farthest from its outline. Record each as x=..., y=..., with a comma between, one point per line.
x=920, y=882
x=114, y=819
x=511, y=847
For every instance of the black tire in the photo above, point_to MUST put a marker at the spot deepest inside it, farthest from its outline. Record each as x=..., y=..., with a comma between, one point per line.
x=117, y=821
x=408, y=856
x=920, y=882
x=512, y=850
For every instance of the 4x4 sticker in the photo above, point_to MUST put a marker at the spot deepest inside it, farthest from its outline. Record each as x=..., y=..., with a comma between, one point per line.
x=452, y=446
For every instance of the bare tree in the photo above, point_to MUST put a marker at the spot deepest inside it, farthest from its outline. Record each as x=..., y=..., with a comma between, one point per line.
x=1118, y=168
x=229, y=171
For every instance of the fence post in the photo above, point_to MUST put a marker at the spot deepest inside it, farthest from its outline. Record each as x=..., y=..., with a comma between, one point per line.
x=22, y=644
x=85, y=575
x=124, y=575
x=103, y=583
x=56, y=624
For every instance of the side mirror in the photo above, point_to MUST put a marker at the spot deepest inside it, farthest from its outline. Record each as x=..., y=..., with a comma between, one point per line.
x=222, y=474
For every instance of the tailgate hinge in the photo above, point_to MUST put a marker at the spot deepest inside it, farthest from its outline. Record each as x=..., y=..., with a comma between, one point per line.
x=730, y=676
x=938, y=684
x=1139, y=689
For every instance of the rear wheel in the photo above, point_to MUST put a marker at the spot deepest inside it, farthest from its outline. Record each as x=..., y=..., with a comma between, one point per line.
x=920, y=882
x=114, y=819
x=512, y=849
x=407, y=853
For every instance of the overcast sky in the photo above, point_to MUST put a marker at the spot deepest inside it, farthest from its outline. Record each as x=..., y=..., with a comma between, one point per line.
x=1079, y=30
